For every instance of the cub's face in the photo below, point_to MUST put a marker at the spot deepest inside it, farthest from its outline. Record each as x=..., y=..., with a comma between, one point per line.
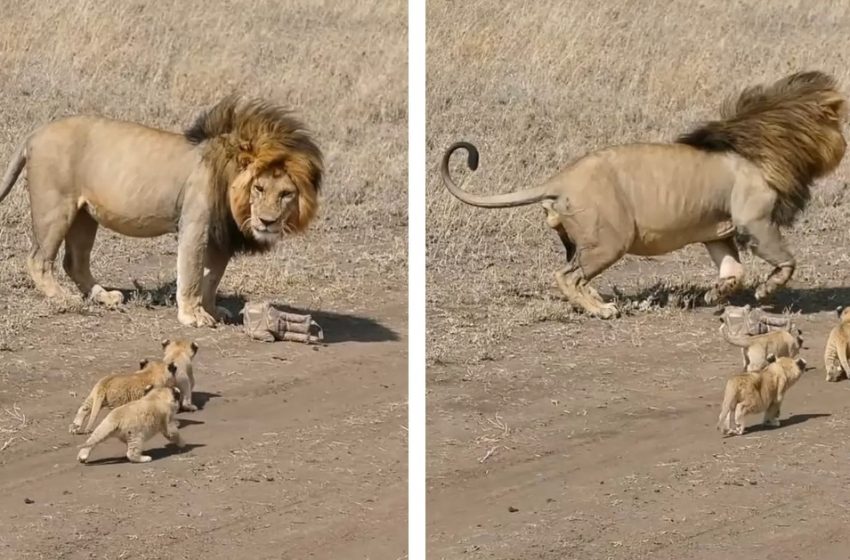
x=274, y=200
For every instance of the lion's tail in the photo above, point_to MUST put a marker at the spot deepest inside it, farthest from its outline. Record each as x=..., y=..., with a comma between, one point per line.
x=14, y=170
x=841, y=350
x=507, y=200
x=96, y=403
x=740, y=340
x=726, y=408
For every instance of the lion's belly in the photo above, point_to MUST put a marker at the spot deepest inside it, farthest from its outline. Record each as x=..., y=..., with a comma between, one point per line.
x=658, y=241
x=133, y=222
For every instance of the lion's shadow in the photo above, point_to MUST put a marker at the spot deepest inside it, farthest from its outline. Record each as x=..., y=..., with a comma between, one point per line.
x=686, y=295
x=337, y=327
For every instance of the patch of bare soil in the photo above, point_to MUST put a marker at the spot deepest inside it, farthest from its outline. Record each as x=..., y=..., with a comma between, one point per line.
x=298, y=451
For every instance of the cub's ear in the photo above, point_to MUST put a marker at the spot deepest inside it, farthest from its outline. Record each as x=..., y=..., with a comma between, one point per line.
x=801, y=363
x=148, y=389
x=143, y=362
x=176, y=393
x=838, y=310
x=194, y=348
x=165, y=342
x=172, y=368
x=771, y=358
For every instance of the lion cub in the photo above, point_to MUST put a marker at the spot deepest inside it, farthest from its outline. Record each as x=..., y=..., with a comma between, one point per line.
x=117, y=389
x=754, y=392
x=181, y=352
x=755, y=348
x=138, y=421
x=835, y=353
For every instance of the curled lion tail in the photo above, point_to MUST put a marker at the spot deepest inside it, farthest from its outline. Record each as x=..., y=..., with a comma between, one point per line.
x=19, y=160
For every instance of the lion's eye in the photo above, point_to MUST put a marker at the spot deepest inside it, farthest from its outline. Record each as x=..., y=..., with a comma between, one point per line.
x=259, y=188
x=286, y=195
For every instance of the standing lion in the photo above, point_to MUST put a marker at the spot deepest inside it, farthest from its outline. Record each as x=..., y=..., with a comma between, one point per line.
x=244, y=174
x=748, y=173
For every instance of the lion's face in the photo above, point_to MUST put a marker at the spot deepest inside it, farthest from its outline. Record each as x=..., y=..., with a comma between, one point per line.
x=273, y=203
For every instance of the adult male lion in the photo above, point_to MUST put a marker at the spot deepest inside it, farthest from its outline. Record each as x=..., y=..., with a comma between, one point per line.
x=748, y=173
x=241, y=176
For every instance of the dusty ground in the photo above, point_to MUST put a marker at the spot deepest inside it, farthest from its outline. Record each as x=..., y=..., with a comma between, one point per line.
x=555, y=436
x=298, y=451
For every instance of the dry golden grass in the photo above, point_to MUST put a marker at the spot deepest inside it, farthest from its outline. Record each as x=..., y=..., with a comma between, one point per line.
x=341, y=65
x=536, y=85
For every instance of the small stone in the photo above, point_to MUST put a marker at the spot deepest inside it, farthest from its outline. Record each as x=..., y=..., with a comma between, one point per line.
x=512, y=509
x=29, y=501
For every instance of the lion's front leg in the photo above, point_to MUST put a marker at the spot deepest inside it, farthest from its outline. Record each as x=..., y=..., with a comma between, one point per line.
x=768, y=244
x=191, y=249
x=730, y=271
x=215, y=264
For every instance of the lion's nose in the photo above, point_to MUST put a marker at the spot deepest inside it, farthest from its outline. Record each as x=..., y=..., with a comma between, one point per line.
x=267, y=222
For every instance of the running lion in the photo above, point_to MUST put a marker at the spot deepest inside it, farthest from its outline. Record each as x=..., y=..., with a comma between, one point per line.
x=747, y=174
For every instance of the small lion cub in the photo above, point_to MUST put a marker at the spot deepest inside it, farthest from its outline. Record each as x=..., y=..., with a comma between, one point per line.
x=754, y=392
x=755, y=348
x=835, y=353
x=182, y=352
x=120, y=388
x=138, y=421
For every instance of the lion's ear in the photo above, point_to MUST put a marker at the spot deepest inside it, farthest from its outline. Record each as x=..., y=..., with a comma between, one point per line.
x=771, y=358
x=245, y=155
x=148, y=389
x=836, y=107
x=165, y=342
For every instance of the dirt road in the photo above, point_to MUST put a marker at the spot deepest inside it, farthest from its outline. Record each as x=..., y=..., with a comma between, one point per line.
x=278, y=466
x=575, y=450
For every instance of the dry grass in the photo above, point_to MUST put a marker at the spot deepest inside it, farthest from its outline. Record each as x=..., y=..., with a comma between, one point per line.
x=535, y=86
x=341, y=65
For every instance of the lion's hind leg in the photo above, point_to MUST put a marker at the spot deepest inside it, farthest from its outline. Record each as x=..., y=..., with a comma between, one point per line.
x=78, y=245
x=52, y=217
x=586, y=256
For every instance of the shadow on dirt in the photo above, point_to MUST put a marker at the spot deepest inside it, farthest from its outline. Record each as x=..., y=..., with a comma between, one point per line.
x=201, y=398
x=786, y=422
x=691, y=296
x=340, y=327
x=183, y=422
x=155, y=454
x=337, y=327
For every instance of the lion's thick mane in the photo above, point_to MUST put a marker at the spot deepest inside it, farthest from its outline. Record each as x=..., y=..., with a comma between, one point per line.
x=791, y=129
x=247, y=137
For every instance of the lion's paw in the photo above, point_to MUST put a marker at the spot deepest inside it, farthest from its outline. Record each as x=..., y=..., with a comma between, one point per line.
x=196, y=318
x=607, y=311
x=109, y=298
x=75, y=429
x=772, y=422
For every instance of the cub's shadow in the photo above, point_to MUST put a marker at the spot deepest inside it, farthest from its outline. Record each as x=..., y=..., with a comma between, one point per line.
x=201, y=398
x=155, y=454
x=337, y=327
x=183, y=422
x=785, y=422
